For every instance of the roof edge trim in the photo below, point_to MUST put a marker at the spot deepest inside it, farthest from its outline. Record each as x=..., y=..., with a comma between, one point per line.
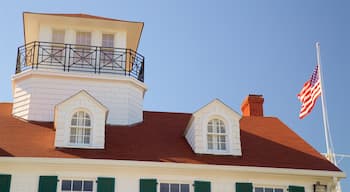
x=82, y=15
x=87, y=94
x=218, y=101
x=102, y=162
x=78, y=75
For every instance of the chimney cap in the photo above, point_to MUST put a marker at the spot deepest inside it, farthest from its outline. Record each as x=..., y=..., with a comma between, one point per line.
x=255, y=95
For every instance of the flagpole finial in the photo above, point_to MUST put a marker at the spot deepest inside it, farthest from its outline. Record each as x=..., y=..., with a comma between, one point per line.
x=317, y=44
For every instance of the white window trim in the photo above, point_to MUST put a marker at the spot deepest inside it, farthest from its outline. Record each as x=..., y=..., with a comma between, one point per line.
x=228, y=138
x=77, y=145
x=270, y=186
x=190, y=183
x=83, y=127
x=93, y=179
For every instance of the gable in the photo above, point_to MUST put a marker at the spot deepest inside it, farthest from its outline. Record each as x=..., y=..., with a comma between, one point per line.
x=80, y=97
x=217, y=105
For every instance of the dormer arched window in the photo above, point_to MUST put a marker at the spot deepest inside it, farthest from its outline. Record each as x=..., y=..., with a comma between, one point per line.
x=80, y=128
x=216, y=135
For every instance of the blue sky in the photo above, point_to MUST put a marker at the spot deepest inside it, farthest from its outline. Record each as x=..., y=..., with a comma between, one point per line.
x=200, y=50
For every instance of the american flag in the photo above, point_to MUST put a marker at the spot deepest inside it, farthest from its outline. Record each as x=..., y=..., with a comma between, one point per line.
x=309, y=93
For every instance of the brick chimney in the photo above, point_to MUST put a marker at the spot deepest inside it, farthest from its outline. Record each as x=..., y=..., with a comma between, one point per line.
x=253, y=105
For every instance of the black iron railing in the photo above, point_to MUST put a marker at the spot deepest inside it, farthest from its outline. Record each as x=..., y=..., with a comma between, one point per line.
x=80, y=58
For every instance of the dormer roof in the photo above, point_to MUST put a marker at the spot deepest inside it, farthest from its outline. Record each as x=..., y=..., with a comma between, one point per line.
x=217, y=101
x=82, y=94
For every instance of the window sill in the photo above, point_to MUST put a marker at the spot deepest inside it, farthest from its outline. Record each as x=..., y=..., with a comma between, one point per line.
x=214, y=152
x=82, y=146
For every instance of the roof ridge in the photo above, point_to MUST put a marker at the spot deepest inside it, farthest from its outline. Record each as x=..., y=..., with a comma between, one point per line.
x=168, y=112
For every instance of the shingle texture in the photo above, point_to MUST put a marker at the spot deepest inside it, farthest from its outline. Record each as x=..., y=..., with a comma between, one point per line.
x=266, y=142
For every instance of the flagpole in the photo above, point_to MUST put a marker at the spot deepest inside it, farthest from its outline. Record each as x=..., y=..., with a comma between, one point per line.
x=324, y=109
x=329, y=143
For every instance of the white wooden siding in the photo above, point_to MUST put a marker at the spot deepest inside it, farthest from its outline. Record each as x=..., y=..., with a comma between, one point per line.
x=21, y=99
x=37, y=92
x=190, y=137
x=25, y=176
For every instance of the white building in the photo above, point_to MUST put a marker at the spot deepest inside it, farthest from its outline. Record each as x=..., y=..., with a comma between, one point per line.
x=77, y=124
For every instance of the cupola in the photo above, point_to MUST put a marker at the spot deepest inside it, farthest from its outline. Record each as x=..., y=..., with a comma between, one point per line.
x=64, y=54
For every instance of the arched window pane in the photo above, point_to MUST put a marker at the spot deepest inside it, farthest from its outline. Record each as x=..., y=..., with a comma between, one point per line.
x=87, y=122
x=210, y=128
x=216, y=136
x=74, y=122
x=80, y=131
x=81, y=114
x=222, y=129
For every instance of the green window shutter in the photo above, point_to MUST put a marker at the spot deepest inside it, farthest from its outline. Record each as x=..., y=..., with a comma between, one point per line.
x=202, y=186
x=5, y=182
x=148, y=185
x=47, y=184
x=244, y=187
x=296, y=189
x=105, y=184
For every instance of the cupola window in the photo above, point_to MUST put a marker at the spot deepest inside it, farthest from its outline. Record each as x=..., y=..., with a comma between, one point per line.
x=83, y=52
x=83, y=38
x=107, y=51
x=58, y=36
x=57, y=54
x=80, y=129
x=107, y=40
x=216, y=136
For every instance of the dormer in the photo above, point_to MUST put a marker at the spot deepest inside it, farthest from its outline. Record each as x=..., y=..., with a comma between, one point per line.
x=80, y=122
x=66, y=53
x=214, y=129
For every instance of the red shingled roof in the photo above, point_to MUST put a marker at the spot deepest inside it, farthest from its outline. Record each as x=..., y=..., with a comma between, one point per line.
x=266, y=142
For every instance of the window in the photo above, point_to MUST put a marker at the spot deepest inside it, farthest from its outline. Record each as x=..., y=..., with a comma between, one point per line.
x=83, y=54
x=107, y=40
x=58, y=36
x=174, y=187
x=77, y=186
x=57, y=49
x=217, y=136
x=83, y=38
x=80, y=130
x=267, y=189
x=107, y=51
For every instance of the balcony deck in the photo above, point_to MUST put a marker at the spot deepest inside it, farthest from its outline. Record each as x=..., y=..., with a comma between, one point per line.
x=80, y=58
